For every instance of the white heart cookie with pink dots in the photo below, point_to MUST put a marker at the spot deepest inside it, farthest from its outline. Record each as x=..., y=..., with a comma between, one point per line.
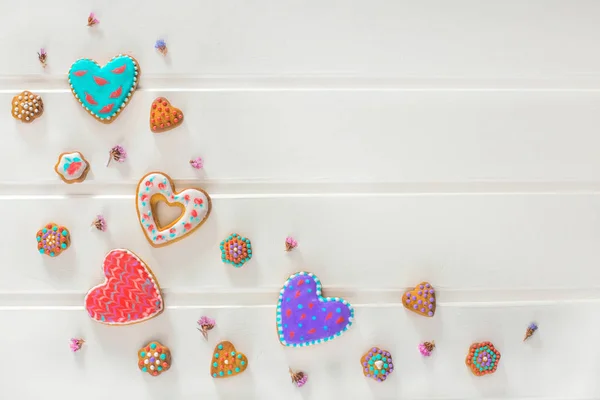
x=194, y=203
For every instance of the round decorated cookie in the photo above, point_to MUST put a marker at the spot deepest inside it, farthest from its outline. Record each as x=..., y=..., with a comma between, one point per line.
x=305, y=317
x=377, y=364
x=104, y=92
x=227, y=361
x=154, y=358
x=72, y=167
x=53, y=239
x=27, y=106
x=236, y=250
x=483, y=358
x=157, y=186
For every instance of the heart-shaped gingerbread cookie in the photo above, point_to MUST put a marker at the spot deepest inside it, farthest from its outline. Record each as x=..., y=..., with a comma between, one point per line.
x=305, y=317
x=194, y=203
x=421, y=300
x=104, y=91
x=163, y=116
x=227, y=362
x=130, y=293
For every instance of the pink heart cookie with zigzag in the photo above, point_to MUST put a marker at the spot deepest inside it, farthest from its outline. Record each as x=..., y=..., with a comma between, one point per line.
x=130, y=293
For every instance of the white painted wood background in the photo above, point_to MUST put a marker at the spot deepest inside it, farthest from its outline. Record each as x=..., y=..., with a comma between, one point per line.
x=453, y=141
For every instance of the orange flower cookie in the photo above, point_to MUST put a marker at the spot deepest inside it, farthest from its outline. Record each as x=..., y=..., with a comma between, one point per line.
x=27, y=106
x=163, y=116
x=227, y=362
x=483, y=358
x=53, y=239
x=72, y=167
x=154, y=358
x=421, y=300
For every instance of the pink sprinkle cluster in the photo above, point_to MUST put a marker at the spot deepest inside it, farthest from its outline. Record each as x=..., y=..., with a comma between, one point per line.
x=99, y=223
x=76, y=344
x=290, y=243
x=300, y=382
x=197, y=163
x=424, y=350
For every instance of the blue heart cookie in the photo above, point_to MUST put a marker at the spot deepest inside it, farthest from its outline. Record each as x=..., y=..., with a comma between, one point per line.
x=104, y=91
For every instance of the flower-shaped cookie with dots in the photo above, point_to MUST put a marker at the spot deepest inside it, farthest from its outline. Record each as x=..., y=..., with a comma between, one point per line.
x=53, y=239
x=154, y=358
x=236, y=250
x=27, y=106
x=377, y=364
x=483, y=358
x=72, y=167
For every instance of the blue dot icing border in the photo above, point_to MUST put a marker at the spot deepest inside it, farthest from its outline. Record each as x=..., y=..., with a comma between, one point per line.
x=114, y=115
x=321, y=298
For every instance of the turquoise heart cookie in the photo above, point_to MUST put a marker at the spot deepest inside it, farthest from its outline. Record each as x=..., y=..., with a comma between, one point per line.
x=104, y=91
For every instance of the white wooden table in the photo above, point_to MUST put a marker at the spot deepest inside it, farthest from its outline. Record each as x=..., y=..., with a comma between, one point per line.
x=397, y=141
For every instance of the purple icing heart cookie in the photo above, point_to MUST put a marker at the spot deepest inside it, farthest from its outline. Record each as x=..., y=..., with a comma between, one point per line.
x=305, y=318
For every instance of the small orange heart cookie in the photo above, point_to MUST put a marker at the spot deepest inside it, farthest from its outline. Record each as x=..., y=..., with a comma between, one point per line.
x=163, y=116
x=227, y=362
x=421, y=299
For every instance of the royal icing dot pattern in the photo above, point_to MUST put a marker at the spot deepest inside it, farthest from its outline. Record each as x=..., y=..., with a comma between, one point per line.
x=236, y=250
x=154, y=358
x=483, y=358
x=305, y=318
x=104, y=91
x=227, y=361
x=27, y=106
x=157, y=186
x=72, y=167
x=377, y=364
x=163, y=116
x=421, y=300
x=53, y=239
x=130, y=293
